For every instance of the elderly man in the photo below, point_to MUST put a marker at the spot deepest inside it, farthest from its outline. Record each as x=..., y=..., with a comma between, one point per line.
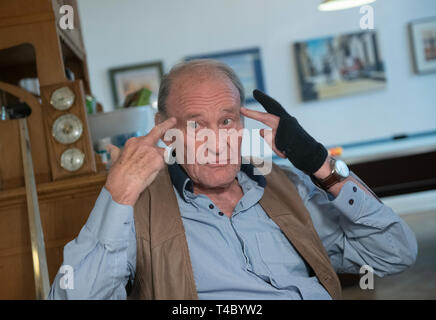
x=219, y=231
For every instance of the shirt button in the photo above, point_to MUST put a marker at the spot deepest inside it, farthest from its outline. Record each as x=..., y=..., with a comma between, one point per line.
x=211, y=206
x=351, y=201
x=220, y=213
x=355, y=189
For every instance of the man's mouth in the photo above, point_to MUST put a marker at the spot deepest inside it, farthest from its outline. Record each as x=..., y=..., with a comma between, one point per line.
x=218, y=164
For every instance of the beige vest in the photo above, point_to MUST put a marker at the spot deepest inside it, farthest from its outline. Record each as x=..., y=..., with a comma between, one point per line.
x=163, y=265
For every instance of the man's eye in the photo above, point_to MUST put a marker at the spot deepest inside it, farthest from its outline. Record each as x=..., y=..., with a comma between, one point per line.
x=193, y=124
x=226, y=122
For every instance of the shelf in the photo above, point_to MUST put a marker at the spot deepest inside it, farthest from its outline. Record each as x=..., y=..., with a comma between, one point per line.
x=19, y=61
x=25, y=54
x=66, y=187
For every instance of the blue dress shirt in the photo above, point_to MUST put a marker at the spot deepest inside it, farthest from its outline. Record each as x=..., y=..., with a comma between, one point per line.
x=245, y=256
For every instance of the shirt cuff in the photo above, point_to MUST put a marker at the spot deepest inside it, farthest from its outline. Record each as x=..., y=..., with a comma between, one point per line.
x=110, y=221
x=350, y=200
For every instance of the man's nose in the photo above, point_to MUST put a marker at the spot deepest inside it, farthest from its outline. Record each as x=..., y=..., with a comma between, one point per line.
x=218, y=145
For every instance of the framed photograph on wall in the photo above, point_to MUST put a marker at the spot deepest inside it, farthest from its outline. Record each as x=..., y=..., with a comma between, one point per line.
x=128, y=79
x=423, y=42
x=247, y=65
x=340, y=65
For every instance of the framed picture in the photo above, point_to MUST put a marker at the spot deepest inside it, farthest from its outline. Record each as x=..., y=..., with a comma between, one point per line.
x=423, y=42
x=246, y=64
x=341, y=65
x=128, y=79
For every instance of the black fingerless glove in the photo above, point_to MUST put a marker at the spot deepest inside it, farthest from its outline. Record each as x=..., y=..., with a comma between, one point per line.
x=300, y=148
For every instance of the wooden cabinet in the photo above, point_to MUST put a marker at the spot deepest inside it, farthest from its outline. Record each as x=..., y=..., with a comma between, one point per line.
x=32, y=45
x=65, y=206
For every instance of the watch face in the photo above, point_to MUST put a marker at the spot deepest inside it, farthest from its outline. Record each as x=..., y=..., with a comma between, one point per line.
x=341, y=168
x=62, y=98
x=72, y=159
x=67, y=129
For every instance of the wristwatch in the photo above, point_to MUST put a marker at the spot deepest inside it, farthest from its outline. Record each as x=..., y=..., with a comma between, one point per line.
x=339, y=173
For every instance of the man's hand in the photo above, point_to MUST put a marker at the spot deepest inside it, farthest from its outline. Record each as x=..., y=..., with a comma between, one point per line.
x=287, y=138
x=135, y=168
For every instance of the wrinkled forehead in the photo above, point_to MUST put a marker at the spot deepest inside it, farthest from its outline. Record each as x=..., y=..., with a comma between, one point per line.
x=201, y=91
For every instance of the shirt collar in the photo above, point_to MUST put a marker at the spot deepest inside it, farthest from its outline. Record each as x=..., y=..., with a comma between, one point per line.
x=181, y=180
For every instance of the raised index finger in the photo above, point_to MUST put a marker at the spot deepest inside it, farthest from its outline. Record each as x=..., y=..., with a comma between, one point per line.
x=159, y=130
x=264, y=117
x=270, y=105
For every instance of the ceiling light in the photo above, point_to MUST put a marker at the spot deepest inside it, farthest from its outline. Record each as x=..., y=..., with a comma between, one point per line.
x=332, y=5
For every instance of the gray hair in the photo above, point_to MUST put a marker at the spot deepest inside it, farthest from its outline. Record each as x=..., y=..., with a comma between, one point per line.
x=206, y=66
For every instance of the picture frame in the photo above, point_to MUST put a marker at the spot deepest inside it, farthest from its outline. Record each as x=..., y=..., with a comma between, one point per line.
x=128, y=79
x=423, y=45
x=247, y=65
x=335, y=66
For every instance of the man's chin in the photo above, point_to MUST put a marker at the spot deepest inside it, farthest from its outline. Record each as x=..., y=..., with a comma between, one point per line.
x=217, y=175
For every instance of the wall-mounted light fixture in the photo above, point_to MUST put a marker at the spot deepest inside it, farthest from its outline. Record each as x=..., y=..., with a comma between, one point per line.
x=332, y=5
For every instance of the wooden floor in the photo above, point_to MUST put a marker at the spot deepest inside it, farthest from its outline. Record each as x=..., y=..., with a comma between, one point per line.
x=419, y=281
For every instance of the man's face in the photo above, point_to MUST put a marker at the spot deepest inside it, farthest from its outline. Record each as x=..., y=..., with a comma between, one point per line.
x=211, y=103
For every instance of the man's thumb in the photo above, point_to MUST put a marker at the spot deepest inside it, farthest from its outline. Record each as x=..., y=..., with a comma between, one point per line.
x=114, y=152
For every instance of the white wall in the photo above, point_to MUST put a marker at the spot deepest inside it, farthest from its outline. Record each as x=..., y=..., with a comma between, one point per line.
x=118, y=33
